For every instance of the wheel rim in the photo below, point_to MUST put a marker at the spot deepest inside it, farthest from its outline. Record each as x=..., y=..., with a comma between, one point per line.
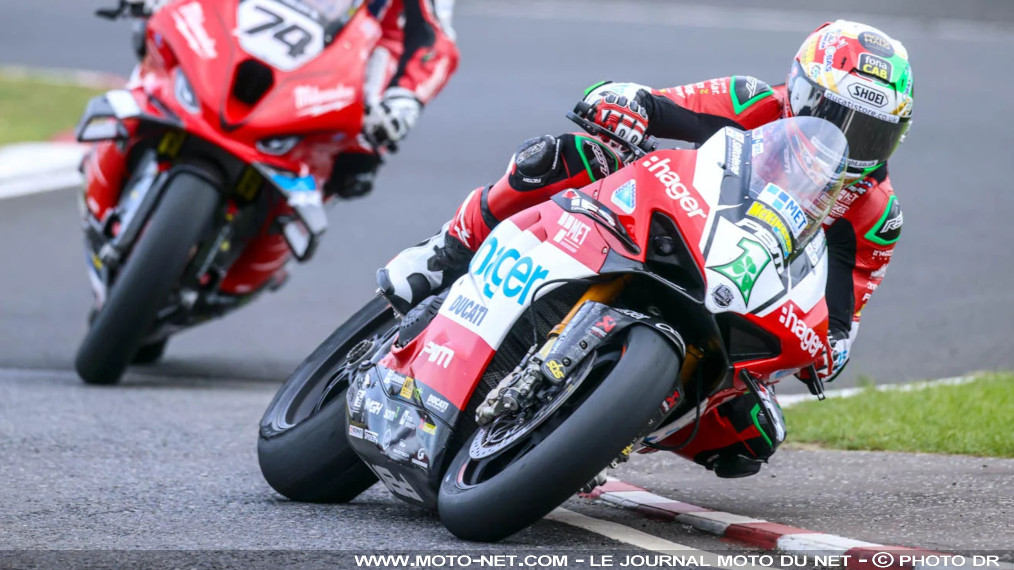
x=495, y=447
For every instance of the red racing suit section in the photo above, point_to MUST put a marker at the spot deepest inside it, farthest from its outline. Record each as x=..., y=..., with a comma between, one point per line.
x=418, y=33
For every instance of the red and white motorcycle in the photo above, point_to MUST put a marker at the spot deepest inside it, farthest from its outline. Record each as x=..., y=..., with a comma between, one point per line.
x=600, y=323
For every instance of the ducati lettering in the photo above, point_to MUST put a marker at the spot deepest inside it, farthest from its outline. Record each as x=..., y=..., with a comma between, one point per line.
x=506, y=271
x=673, y=187
x=398, y=486
x=744, y=270
x=876, y=67
x=438, y=354
x=809, y=341
x=469, y=310
x=437, y=403
x=572, y=232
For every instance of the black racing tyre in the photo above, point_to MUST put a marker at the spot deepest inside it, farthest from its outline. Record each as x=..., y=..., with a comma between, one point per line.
x=489, y=502
x=150, y=353
x=303, y=449
x=153, y=268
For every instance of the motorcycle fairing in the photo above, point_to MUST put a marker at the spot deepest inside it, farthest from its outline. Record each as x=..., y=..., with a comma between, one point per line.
x=524, y=258
x=402, y=441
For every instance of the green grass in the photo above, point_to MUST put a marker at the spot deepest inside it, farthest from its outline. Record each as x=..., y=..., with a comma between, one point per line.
x=35, y=109
x=969, y=419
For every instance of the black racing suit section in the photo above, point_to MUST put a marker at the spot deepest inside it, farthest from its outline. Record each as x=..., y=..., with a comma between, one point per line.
x=668, y=120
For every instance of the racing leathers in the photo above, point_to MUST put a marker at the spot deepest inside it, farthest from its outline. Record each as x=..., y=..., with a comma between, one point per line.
x=861, y=231
x=412, y=62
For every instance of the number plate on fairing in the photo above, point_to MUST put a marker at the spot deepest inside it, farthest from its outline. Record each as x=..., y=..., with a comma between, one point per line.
x=279, y=33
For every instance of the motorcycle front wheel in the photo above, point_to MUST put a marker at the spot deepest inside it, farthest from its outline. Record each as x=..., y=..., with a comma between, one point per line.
x=494, y=497
x=150, y=273
x=303, y=449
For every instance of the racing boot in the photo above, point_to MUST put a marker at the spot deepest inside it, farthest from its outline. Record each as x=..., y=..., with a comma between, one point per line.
x=422, y=270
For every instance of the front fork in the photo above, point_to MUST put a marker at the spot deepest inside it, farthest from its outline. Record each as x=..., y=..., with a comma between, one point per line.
x=590, y=322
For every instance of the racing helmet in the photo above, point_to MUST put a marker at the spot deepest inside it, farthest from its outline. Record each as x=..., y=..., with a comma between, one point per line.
x=859, y=79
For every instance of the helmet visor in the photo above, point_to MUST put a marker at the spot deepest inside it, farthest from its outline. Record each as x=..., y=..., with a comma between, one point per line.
x=872, y=135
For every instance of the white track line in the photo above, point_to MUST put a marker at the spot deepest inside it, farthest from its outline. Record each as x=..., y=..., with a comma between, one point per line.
x=30, y=168
x=634, y=537
x=793, y=399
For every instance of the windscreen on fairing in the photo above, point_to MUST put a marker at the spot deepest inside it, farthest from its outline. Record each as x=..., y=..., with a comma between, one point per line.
x=797, y=167
x=335, y=12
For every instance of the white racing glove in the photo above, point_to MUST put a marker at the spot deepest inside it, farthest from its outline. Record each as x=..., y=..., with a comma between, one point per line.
x=391, y=118
x=616, y=107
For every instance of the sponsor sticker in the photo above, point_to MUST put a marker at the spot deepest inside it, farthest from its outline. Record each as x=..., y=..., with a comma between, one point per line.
x=722, y=296
x=438, y=354
x=809, y=340
x=572, y=232
x=625, y=197
x=876, y=66
x=555, y=368
x=408, y=388
x=745, y=269
x=758, y=211
x=356, y=431
x=876, y=43
x=868, y=94
x=371, y=436
x=674, y=187
x=506, y=271
x=437, y=403
x=312, y=101
x=785, y=205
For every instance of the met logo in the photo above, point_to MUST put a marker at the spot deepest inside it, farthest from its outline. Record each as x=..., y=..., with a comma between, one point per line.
x=507, y=271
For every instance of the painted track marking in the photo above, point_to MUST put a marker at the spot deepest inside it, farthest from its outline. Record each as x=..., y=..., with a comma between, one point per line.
x=634, y=537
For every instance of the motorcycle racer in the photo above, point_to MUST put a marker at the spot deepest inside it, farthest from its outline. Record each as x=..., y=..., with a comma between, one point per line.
x=413, y=61
x=848, y=73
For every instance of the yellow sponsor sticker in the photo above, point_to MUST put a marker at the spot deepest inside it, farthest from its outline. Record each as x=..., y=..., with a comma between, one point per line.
x=408, y=388
x=762, y=213
x=555, y=368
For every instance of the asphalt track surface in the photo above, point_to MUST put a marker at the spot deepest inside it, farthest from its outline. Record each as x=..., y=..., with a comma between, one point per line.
x=167, y=460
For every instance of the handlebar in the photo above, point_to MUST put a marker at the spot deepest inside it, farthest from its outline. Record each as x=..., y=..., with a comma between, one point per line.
x=580, y=116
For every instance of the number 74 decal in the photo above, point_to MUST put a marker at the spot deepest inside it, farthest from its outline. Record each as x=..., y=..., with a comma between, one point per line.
x=278, y=34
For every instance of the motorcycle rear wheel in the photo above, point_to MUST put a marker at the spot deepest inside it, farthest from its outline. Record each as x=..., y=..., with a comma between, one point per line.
x=303, y=450
x=147, y=278
x=514, y=489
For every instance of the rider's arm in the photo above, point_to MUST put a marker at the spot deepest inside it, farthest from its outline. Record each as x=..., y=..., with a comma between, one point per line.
x=428, y=54
x=862, y=230
x=696, y=111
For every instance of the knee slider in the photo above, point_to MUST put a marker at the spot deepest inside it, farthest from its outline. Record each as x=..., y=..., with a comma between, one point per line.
x=537, y=160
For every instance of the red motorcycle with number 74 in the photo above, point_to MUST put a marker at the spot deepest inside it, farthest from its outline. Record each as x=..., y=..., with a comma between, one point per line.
x=609, y=320
x=207, y=170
